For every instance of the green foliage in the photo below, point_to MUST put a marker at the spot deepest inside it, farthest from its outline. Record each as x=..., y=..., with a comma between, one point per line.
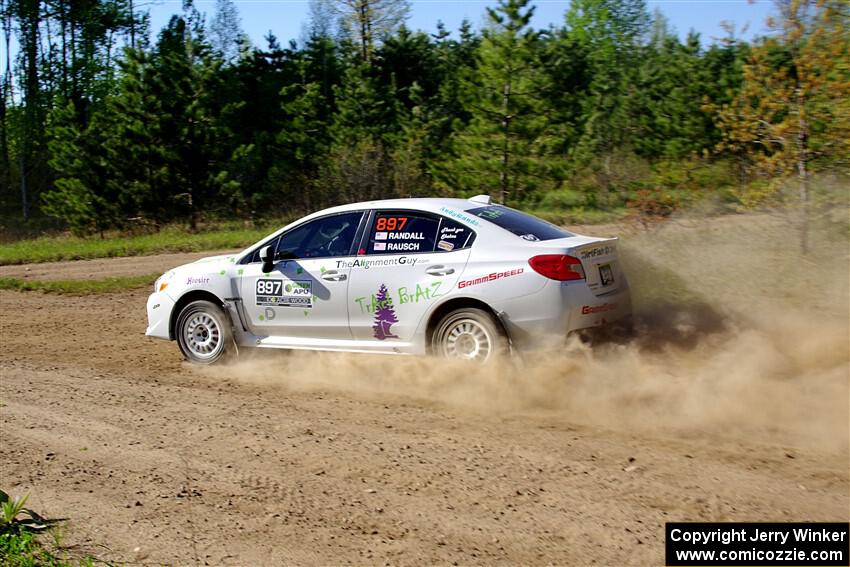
x=562, y=199
x=52, y=249
x=18, y=544
x=607, y=109
x=578, y=215
x=609, y=33
x=499, y=151
x=79, y=287
x=78, y=196
x=10, y=509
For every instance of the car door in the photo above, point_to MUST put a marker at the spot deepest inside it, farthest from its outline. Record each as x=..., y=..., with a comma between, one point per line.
x=305, y=294
x=412, y=259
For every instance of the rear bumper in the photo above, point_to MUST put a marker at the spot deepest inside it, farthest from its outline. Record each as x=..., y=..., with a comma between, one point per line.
x=546, y=318
x=590, y=311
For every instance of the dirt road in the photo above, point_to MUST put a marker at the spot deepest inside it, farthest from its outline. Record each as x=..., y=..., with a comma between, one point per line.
x=312, y=459
x=104, y=267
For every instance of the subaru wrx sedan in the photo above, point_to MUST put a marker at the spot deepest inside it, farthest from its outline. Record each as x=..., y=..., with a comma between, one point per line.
x=454, y=278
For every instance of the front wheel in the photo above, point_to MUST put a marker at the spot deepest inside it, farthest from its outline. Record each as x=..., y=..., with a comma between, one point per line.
x=203, y=333
x=469, y=334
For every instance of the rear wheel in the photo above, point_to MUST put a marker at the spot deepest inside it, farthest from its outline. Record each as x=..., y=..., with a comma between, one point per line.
x=469, y=334
x=203, y=333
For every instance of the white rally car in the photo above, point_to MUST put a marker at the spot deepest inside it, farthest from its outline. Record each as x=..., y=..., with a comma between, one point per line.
x=456, y=278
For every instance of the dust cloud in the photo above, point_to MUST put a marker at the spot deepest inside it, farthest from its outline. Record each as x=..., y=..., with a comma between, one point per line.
x=738, y=335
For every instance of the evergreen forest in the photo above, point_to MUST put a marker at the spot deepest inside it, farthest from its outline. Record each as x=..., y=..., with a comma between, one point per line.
x=108, y=124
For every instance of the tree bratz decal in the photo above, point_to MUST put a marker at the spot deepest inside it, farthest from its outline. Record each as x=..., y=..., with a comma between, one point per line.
x=384, y=315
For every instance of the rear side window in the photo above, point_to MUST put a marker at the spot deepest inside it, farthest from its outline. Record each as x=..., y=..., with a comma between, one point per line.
x=521, y=224
x=402, y=233
x=454, y=236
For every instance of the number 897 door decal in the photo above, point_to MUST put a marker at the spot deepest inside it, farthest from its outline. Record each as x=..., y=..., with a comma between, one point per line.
x=285, y=293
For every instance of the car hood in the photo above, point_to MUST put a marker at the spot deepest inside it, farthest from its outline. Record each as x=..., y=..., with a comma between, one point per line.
x=211, y=259
x=200, y=266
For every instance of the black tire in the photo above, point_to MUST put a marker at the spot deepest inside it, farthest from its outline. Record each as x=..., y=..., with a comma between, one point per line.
x=469, y=334
x=203, y=333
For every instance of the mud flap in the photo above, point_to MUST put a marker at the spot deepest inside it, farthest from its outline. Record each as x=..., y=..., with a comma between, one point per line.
x=502, y=317
x=233, y=308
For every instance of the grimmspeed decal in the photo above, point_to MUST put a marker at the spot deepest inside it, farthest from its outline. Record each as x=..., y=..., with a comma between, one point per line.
x=284, y=293
x=489, y=278
x=590, y=309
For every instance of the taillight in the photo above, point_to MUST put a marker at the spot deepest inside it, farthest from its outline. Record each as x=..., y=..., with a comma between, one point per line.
x=557, y=267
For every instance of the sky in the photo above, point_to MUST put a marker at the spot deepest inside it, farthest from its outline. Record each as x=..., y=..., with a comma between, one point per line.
x=286, y=18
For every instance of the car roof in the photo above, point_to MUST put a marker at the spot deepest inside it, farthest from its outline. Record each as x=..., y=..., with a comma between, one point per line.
x=433, y=204
x=429, y=204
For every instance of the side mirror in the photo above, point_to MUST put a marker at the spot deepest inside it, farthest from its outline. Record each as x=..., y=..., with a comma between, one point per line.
x=267, y=256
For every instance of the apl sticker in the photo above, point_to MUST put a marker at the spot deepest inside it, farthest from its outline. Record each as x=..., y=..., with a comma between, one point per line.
x=285, y=293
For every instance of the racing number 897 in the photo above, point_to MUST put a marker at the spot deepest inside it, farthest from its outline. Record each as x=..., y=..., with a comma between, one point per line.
x=390, y=223
x=269, y=287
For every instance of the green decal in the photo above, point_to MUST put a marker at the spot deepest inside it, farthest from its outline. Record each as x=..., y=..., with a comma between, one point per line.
x=421, y=293
x=306, y=312
x=239, y=271
x=221, y=272
x=323, y=269
x=301, y=270
x=262, y=318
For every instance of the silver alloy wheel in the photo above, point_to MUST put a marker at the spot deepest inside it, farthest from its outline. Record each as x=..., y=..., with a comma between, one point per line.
x=467, y=339
x=202, y=334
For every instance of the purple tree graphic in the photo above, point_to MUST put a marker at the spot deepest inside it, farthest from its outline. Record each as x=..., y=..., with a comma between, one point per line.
x=384, y=315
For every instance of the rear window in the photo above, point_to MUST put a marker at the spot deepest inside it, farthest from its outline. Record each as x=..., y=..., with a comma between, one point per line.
x=525, y=226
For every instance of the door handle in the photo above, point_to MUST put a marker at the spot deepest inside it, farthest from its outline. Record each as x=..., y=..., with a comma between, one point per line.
x=439, y=271
x=334, y=276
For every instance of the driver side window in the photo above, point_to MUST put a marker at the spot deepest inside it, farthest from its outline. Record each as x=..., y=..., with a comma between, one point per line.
x=321, y=238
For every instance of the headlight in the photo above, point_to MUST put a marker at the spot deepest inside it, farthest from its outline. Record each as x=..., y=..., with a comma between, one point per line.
x=162, y=282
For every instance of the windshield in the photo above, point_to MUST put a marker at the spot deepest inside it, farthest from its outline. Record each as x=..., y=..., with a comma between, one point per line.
x=523, y=225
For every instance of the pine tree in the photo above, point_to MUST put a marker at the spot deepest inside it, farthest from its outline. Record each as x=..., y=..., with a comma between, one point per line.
x=790, y=118
x=191, y=116
x=667, y=105
x=137, y=144
x=254, y=109
x=358, y=165
x=369, y=21
x=79, y=196
x=499, y=151
x=610, y=33
x=385, y=316
x=226, y=35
